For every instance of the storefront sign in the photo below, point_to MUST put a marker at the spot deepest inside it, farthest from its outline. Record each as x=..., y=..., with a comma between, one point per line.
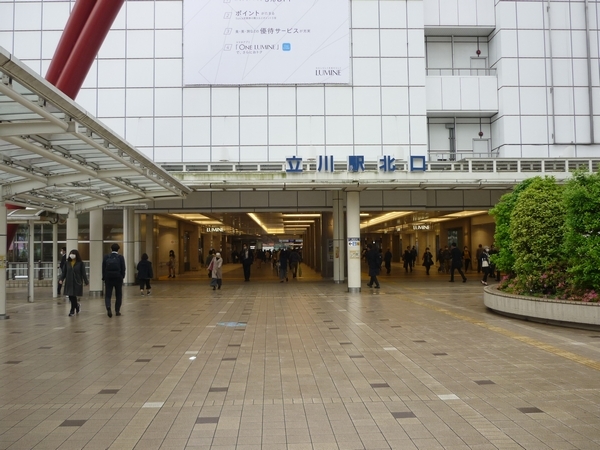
x=424, y=227
x=214, y=229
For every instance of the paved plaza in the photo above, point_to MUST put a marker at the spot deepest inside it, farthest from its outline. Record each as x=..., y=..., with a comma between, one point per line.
x=418, y=364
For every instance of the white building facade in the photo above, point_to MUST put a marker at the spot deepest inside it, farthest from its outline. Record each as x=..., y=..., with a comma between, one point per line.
x=444, y=79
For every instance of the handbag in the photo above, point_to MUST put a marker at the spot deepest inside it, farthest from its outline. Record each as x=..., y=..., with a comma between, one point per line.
x=213, y=282
x=485, y=263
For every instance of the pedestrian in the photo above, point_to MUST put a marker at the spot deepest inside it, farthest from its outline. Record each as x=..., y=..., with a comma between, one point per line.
x=209, y=258
x=284, y=260
x=407, y=259
x=171, y=264
x=294, y=262
x=62, y=266
x=113, y=274
x=145, y=274
x=374, y=263
x=457, y=262
x=427, y=260
x=485, y=264
x=216, y=268
x=387, y=259
x=414, y=254
x=478, y=254
x=447, y=259
x=73, y=278
x=466, y=258
x=494, y=272
x=247, y=258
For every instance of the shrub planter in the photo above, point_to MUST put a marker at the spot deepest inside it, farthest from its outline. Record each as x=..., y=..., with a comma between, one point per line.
x=555, y=312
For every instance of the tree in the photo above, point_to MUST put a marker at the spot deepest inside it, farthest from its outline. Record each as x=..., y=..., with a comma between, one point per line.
x=505, y=259
x=582, y=237
x=537, y=227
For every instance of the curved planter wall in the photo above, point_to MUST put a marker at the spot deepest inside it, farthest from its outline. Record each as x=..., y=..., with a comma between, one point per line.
x=558, y=312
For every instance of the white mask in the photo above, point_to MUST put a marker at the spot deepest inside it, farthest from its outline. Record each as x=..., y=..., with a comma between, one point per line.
x=72, y=256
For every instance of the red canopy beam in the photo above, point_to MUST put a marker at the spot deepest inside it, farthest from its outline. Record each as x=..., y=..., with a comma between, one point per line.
x=90, y=35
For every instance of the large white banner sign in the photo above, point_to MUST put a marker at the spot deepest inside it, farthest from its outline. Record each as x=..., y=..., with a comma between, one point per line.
x=266, y=41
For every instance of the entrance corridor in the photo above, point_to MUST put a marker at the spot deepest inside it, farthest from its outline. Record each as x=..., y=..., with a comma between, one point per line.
x=418, y=364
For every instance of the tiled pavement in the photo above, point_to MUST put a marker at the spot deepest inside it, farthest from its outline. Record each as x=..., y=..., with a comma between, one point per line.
x=420, y=364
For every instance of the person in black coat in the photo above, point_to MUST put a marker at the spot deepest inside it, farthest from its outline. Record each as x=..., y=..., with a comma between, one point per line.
x=113, y=273
x=145, y=274
x=456, y=257
x=73, y=278
x=374, y=261
x=247, y=257
x=387, y=258
x=62, y=266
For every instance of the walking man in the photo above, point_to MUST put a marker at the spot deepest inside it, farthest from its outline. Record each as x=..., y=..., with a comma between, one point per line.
x=457, y=262
x=247, y=260
x=387, y=259
x=374, y=263
x=113, y=273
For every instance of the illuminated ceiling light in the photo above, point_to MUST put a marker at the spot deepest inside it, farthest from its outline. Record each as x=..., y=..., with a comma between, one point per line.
x=385, y=218
x=365, y=215
x=265, y=228
x=467, y=213
x=301, y=215
x=437, y=219
x=299, y=221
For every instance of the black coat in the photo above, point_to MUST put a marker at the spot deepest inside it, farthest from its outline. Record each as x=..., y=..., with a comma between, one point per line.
x=73, y=278
x=144, y=269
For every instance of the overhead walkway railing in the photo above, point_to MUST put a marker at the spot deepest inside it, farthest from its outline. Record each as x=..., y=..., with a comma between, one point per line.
x=476, y=173
x=467, y=165
x=55, y=156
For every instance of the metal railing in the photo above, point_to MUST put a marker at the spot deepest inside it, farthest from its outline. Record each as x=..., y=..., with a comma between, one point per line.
x=41, y=270
x=459, y=161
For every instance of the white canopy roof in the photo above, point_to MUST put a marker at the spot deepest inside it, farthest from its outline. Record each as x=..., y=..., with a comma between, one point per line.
x=56, y=157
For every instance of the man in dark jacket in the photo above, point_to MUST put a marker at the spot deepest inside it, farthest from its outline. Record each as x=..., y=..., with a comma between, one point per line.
x=247, y=257
x=113, y=273
x=62, y=266
x=457, y=261
x=374, y=261
x=387, y=258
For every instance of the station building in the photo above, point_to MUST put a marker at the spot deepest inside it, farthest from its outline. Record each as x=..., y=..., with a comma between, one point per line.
x=400, y=122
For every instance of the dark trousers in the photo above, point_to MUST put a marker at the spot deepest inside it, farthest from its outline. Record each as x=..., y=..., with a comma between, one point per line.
x=373, y=280
x=146, y=283
x=486, y=272
x=467, y=264
x=246, y=271
x=459, y=271
x=73, y=300
x=108, y=288
x=388, y=267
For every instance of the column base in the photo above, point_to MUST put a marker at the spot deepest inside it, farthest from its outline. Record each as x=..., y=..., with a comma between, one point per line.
x=339, y=281
x=4, y=317
x=96, y=293
x=355, y=290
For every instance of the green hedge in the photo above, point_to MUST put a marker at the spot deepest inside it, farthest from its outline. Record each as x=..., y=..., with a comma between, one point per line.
x=549, y=237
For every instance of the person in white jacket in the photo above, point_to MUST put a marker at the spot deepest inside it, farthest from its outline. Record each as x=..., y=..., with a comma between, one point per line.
x=216, y=266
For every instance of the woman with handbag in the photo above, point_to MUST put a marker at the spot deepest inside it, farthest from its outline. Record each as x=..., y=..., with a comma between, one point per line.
x=485, y=265
x=427, y=260
x=72, y=279
x=216, y=266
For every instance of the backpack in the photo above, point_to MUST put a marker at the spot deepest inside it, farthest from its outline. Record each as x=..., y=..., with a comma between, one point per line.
x=113, y=266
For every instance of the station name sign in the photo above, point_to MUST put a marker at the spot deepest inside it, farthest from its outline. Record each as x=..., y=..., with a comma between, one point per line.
x=355, y=163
